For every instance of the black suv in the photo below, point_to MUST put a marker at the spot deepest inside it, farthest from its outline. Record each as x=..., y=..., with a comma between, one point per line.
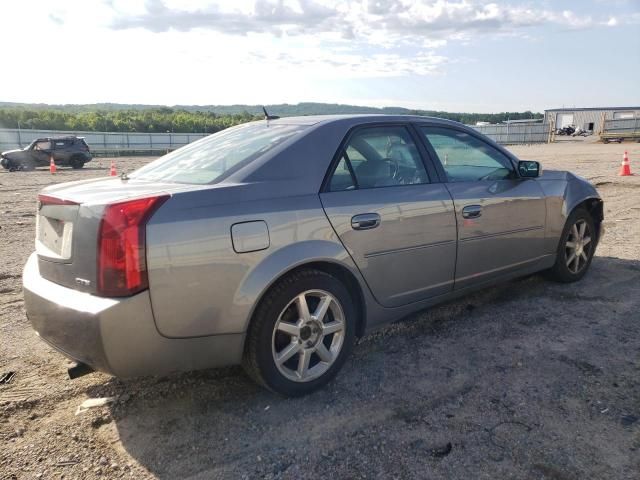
x=71, y=151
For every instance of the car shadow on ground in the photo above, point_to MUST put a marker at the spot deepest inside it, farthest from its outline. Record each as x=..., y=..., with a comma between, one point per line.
x=491, y=381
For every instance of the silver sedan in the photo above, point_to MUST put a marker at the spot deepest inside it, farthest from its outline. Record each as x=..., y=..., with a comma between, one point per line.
x=275, y=244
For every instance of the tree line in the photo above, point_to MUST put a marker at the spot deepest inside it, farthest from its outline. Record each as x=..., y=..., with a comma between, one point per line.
x=154, y=120
x=192, y=119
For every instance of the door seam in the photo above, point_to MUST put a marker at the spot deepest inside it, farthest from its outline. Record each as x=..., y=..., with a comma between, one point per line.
x=455, y=218
x=348, y=253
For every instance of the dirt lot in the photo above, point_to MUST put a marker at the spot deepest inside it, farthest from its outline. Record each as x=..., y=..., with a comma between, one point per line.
x=529, y=379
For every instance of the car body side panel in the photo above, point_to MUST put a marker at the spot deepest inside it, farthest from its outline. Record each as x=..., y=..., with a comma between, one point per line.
x=563, y=192
x=411, y=254
x=40, y=157
x=200, y=285
x=509, y=232
x=286, y=259
x=378, y=316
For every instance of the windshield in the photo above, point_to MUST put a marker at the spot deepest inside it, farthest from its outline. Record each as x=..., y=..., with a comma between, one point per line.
x=208, y=160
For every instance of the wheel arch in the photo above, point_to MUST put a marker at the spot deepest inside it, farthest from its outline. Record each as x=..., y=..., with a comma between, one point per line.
x=77, y=156
x=333, y=267
x=348, y=279
x=579, y=193
x=595, y=207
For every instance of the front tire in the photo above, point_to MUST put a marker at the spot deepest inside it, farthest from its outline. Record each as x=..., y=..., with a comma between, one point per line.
x=301, y=333
x=576, y=248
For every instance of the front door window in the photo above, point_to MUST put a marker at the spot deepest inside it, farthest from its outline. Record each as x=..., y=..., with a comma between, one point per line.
x=43, y=146
x=466, y=158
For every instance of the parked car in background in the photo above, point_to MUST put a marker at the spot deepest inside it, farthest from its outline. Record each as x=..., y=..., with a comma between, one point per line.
x=277, y=243
x=71, y=151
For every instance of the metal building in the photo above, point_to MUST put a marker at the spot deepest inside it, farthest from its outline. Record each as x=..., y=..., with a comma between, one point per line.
x=591, y=119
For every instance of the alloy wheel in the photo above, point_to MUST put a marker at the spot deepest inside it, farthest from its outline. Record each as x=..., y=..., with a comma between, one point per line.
x=578, y=246
x=308, y=335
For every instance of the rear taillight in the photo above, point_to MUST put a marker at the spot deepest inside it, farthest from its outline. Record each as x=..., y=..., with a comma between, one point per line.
x=122, y=265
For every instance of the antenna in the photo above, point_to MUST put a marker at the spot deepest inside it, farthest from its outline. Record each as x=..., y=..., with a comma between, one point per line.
x=267, y=116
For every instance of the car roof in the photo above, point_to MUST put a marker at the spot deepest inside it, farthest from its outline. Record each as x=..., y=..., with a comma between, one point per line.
x=68, y=137
x=357, y=118
x=302, y=161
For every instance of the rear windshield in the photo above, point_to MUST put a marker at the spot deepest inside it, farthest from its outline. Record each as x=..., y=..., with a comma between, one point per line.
x=214, y=157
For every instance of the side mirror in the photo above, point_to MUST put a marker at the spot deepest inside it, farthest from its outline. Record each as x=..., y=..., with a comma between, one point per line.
x=529, y=169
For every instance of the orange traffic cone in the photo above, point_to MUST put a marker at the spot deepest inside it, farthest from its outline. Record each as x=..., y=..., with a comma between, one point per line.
x=52, y=165
x=113, y=172
x=625, y=168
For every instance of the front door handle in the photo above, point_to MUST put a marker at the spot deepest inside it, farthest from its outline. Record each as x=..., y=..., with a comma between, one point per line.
x=365, y=221
x=472, y=211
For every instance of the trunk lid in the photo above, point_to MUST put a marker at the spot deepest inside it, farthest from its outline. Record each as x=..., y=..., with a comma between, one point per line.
x=54, y=227
x=101, y=191
x=68, y=222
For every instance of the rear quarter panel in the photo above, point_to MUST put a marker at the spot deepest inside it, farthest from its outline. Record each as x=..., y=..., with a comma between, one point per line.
x=199, y=285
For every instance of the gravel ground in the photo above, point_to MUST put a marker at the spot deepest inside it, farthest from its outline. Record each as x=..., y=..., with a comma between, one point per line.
x=528, y=379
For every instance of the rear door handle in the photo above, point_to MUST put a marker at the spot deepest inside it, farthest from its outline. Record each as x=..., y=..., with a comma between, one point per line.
x=365, y=221
x=472, y=211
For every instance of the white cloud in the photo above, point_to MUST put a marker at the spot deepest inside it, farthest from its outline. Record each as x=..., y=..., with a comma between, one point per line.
x=321, y=63
x=198, y=51
x=374, y=38
x=238, y=18
x=364, y=18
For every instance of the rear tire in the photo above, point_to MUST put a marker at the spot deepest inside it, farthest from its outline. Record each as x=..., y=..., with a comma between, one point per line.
x=301, y=333
x=576, y=248
x=77, y=163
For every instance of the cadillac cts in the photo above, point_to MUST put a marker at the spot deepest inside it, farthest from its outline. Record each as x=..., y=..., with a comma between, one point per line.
x=275, y=244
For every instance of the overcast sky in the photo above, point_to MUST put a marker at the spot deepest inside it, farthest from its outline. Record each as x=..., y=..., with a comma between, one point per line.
x=456, y=55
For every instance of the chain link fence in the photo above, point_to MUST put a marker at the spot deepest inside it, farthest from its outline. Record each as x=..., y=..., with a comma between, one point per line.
x=628, y=128
x=114, y=143
x=516, y=133
x=105, y=143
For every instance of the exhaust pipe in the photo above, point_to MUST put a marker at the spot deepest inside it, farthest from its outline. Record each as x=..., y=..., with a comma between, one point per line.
x=78, y=369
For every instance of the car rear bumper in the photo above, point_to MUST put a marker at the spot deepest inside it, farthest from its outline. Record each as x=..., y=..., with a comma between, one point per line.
x=116, y=336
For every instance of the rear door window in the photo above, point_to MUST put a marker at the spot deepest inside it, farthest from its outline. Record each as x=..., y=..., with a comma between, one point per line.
x=342, y=178
x=379, y=157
